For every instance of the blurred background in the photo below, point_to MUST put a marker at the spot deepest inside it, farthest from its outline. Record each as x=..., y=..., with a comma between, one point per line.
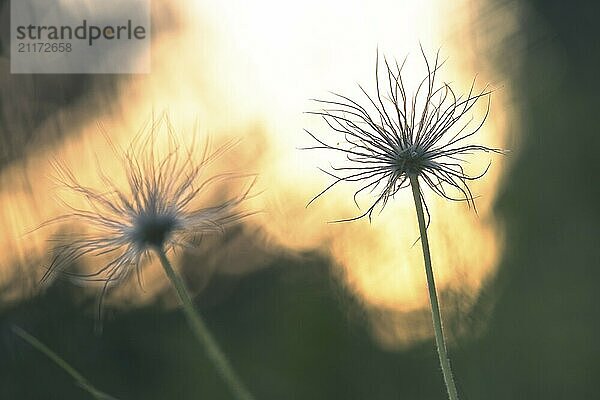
x=304, y=309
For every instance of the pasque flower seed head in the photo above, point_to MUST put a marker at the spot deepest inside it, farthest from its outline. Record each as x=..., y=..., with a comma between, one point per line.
x=156, y=211
x=394, y=136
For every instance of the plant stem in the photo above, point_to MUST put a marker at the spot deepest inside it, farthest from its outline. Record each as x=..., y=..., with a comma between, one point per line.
x=81, y=381
x=202, y=333
x=435, y=306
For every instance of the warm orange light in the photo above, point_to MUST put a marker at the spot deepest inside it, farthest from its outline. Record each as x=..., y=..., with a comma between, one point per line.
x=247, y=69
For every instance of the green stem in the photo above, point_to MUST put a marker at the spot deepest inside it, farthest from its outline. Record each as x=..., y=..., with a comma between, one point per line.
x=435, y=306
x=80, y=379
x=202, y=333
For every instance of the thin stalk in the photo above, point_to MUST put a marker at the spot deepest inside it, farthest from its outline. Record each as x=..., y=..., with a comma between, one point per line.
x=202, y=333
x=433, y=299
x=80, y=379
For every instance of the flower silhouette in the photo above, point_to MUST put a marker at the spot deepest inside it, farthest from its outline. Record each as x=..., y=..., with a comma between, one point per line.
x=395, y=140
x=394, y=136
x=156, y=211
x=154, y=215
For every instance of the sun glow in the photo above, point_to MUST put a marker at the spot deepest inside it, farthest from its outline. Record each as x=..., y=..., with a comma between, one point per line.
x=247, y=70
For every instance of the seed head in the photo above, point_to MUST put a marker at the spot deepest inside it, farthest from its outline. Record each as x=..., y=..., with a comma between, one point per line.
x=392, y=136
x=156, y=211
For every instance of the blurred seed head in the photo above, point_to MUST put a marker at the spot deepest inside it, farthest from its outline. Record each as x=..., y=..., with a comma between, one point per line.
x=156, y=211
x=393, y=136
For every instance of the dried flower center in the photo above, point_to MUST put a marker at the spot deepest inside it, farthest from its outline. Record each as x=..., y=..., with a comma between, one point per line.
x=410, y=161
x=153, y=230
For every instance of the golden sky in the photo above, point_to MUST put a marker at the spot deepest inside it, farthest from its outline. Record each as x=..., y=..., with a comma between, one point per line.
x=247, y=70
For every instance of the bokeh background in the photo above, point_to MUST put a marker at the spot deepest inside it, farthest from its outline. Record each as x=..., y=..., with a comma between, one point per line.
x=305, y=321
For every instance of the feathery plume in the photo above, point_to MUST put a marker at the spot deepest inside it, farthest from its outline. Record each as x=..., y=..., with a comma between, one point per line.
x=393, y=137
